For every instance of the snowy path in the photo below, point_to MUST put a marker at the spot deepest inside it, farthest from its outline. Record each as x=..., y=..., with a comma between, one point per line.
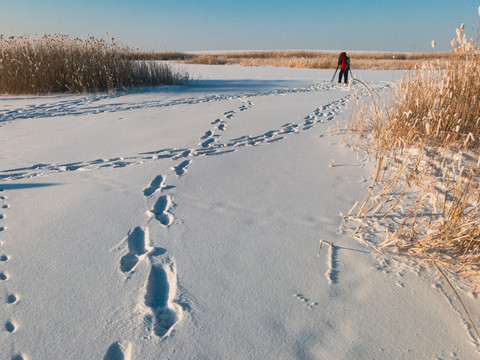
x=185, y=223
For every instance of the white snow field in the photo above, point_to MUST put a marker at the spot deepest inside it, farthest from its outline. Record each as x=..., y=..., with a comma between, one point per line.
x=185, y=222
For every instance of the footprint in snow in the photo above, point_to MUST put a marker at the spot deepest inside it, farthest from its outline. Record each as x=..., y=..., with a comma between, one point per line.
x=12, y=299
x=181, y=168
x=183, y=154
x=156, y=184
x=207, y=143
x=138, y=247
x=160, y=210
x=10, y=326
x=207, y=135
x=161, y=292
x=119, y=351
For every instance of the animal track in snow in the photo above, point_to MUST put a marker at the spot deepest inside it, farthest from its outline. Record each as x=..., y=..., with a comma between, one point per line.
x=161, y=292
x=308, y=303
x=119, y=351
x=156, y=184
x=160, y=210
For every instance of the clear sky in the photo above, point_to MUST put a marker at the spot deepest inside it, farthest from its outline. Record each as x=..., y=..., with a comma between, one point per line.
x=194, y=25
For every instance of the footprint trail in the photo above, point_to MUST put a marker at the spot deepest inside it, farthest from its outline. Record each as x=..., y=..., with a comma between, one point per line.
x=209, y=144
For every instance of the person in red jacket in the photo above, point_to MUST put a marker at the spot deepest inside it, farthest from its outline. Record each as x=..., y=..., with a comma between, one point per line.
x=344, y=63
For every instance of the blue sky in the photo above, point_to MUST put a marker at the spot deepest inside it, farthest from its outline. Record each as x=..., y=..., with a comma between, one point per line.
x=188, y=25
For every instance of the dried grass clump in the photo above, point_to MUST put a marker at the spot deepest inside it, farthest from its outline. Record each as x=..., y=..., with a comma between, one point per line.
x=426, y=189
x=57, y=63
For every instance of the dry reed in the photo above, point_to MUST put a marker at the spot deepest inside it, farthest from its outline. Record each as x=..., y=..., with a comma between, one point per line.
x=426, y=189
x=316, y=59
x=57, y=63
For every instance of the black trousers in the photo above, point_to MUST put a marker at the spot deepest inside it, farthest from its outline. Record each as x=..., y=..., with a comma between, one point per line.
x=345, y=75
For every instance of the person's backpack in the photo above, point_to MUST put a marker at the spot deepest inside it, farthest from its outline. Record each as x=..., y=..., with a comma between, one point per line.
x=343, y=61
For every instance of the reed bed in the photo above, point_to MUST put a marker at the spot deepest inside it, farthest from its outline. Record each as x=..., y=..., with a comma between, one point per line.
x=162, y=56
x=57, y=63
x=317, y=59
x=425, y=194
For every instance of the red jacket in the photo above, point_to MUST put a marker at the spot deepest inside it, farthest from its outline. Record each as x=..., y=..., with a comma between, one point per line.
x=344, y=61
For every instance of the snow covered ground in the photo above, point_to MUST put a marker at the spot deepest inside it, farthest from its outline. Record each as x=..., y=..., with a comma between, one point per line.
x=185, y=223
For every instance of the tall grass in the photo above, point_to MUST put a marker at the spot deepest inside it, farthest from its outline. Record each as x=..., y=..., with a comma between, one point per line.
x=57, y=63
x=426, y=190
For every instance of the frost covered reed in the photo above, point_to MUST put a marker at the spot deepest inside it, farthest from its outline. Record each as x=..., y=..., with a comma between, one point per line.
x=425, y=195
x=57, y=63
